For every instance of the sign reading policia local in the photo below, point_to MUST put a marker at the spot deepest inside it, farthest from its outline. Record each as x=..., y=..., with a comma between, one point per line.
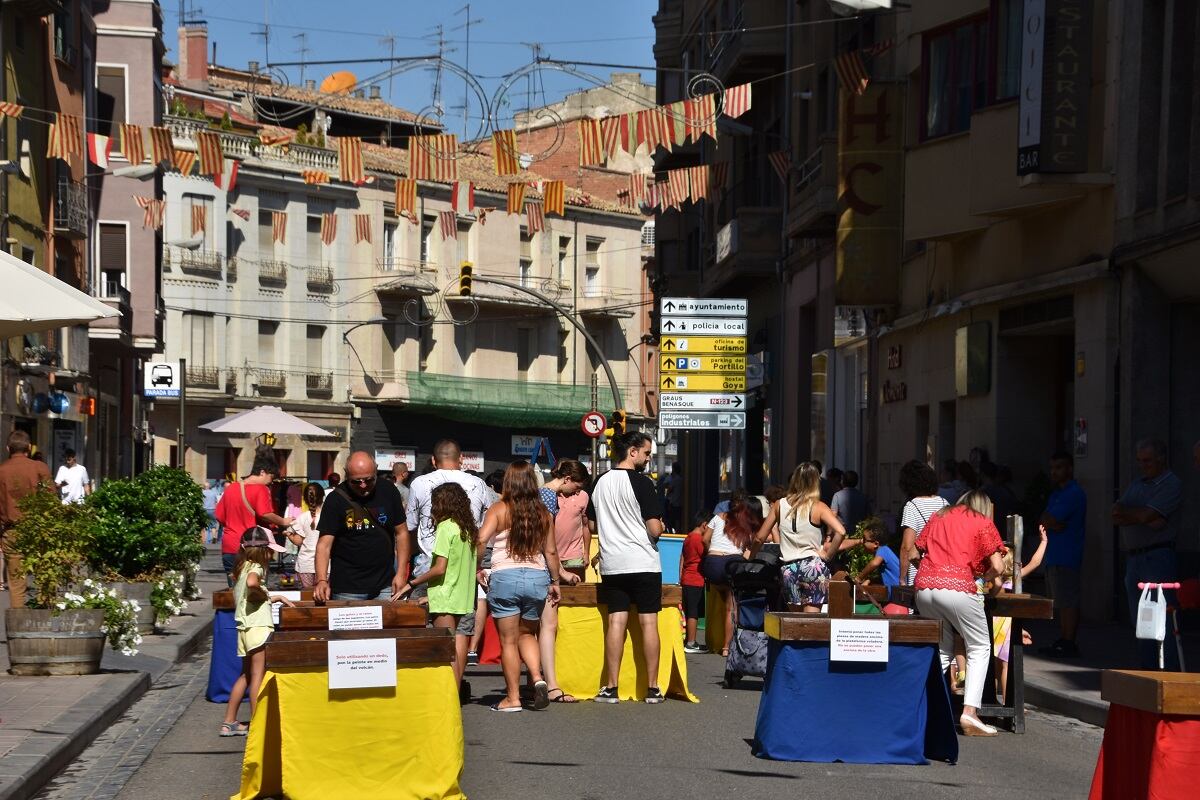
x=702, y=363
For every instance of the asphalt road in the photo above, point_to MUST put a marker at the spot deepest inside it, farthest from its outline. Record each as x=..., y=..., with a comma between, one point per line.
x=592, y=751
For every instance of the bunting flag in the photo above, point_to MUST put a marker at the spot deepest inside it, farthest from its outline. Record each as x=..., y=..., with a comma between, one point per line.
x=554, y=193
x=11, y=109
x=362, y=228
x=462, y=197
x=535, y=219
x=852, y=72
x=228, y=177
x=314, y=177
x=700, y=114
x=241, y=212
x=65, y=139
x=276, y=138
x=328, y=228
x=185, y=160
x=153, y=207
x=698, y=183
x=278, y=226
x=657, y=195
x=406, y=196
x=653, y=129
x=199, y=219
x=433, y=157
x=637, y=188
x=99, y=148
x=505, y=154
x=677, y=118
x=610, y=135
x=516, y=197
x=677, y=186
x=879, y=48
x=781, y=162
x=448, y=222
x=162, y=146
x=212, y=160
x=718, y=175
x=736, y=101
x=133, y=144
x=350, y=160
x=591, y=143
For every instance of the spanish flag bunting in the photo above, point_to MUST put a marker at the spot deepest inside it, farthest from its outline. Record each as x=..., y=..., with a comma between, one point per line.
x=275, y=138
x=701, y=116
x=199, y=219
x=610, y=133
x=554, y=195
x=279, y=226
x=505, y=153
x=516, y=197
x=677, y=116
x=350, y=160
x=433, y=157
x=406, y=196
x=133, y=144
x=448, y=222
x=462, y=196
x=11, y=109
x=65, y=137
x=677, y=186
x=591, y=143
x=153, y=208
x=637, y=188
x=212, y=160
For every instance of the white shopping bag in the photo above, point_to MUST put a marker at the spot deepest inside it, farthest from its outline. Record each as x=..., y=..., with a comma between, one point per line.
x=1152, y=614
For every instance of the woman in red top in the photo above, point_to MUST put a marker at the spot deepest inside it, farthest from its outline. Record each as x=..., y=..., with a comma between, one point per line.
x=959, y=544
x=247, y=503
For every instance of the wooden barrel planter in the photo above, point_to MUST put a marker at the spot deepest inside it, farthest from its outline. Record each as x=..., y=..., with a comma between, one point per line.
x=139, y=591
x=41, y=642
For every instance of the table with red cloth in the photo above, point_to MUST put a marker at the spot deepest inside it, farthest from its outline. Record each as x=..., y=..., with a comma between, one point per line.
x=1151, y=745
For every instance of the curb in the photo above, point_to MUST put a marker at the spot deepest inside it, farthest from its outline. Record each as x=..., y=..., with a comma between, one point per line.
x=1084, y=709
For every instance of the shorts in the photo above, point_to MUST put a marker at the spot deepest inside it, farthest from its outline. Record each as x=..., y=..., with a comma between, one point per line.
x=251, y=639
x=642, y=589
x=807, y=581
x=464, y=624
x=521, y=590
x=574, y=563
x=1063, y=585
x=693, y=602
x=713, y=568
x=308, y=580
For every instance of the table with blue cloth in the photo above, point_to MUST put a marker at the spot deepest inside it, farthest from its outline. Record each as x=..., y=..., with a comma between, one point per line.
x=809, y=706
x=225, y=665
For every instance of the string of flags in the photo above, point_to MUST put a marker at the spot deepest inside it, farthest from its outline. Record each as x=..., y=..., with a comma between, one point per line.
x=852, y=71
x=153, y=207
x=328, y=228
x=362, y=228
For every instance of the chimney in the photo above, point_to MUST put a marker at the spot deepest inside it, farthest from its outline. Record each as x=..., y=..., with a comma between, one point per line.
x=310, y=84
x=360, y=93
x=193, y=53
x=375, y=92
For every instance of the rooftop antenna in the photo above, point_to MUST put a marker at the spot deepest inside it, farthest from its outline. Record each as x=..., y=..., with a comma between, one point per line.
x=303, y=50
x=466, y=25
x=265, y=33
x=390, y=41
x=535, y=50
x=189, y=14
x=440, y=33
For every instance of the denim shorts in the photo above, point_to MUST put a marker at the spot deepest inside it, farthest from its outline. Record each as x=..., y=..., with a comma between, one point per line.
x=521, y=590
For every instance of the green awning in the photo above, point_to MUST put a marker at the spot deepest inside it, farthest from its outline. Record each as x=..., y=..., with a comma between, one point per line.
x=490, y=401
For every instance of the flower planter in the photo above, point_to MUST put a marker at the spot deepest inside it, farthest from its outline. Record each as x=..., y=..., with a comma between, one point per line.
x=139, y=591
x=43, y=643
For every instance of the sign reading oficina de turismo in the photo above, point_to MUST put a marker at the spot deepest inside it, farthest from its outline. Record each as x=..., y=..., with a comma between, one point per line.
x=161, y=379
x=702, y=372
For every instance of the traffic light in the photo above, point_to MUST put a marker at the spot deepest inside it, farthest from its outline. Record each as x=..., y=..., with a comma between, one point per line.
x=608, y=438
x=618, y=421
x=464, y=278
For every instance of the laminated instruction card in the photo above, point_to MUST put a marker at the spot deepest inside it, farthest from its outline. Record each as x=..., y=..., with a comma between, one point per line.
x=362, y=663
x=293, y=596
x=356, y=618
x=858, y=640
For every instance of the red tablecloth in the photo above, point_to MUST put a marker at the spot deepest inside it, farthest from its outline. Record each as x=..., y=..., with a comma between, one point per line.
x=1144, y=755
x=489, y=647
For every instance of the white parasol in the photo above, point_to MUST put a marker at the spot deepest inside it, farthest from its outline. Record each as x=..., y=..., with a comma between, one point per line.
x=265, y=419
x=34, y=300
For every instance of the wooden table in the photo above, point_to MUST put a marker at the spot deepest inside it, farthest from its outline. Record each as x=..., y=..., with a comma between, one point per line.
x=222, y=599
x=1019, y=607
x=307, y=616
x=586, y=594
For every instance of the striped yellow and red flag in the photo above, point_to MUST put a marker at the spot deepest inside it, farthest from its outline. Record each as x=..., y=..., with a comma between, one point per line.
x=406, y=195
x=555, y=196
x=505, y=153
x=362, y=228
x=516, y=198
x=328, y=228
x=535, y=218
x=701, y=116
x=350, y=160
x=448, y=224
x=275, y=137
x=212, y=159
x=184, y=161
x=736, y=101
x=591, y=143
x=153, y=207
x=698, y=183
x=279, y=226
x=653, y=129
x=433, y=157
x=133, y=144
x=610, y=134
x=677, y=186
x=11, y=109
x=314, y=177
x=637, y=188
x=162, y=146
x=65, y=137
x=199, y=219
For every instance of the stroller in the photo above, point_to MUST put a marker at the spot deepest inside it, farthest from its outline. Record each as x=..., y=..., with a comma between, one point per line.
x=755, y=585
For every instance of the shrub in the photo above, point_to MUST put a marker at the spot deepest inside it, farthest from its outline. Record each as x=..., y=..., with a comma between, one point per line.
x=54, y=540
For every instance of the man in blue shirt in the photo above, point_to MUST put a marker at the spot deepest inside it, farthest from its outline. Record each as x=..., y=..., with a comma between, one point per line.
x=1063, y=520
x=1148, y=517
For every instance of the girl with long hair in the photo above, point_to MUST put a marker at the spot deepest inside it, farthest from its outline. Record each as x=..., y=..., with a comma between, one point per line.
x=524, y=574
x=799, y=514
x=727, y=538
x=565, y=498
x=304, y=535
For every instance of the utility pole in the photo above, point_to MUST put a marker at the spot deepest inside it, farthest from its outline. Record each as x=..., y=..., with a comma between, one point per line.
x=181, y=461
x=595, y=439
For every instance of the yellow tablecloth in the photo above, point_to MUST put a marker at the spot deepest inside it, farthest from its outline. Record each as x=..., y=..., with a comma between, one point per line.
x=716, y=618
x=307, y=742
x=579, y=655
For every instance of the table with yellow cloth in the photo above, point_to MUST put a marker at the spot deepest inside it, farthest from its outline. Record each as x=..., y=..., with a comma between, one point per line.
x=306, y=741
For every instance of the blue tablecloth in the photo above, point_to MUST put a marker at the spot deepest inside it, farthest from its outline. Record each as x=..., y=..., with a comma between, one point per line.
x=811, y=709
x=225, y=665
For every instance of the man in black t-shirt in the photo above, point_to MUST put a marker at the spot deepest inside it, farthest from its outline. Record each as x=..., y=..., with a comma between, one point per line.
x=364, y=536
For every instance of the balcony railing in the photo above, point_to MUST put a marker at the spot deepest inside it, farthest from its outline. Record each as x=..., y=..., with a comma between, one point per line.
x=271, y=381
x=319, y=385
x=239, y=146
x=200, y=262
x=231, y=269
x=397, y=265
x=320, y=279
x=71, y=209
x=273, y=272
x=203, y=377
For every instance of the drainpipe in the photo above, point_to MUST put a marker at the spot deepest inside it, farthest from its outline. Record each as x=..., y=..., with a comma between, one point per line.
x=780, y=268
x=3, y=140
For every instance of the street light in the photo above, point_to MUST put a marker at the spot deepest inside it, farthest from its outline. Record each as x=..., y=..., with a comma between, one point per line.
x=346, y=339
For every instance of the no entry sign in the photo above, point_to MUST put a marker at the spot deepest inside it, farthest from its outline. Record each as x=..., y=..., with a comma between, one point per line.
x=593, y=424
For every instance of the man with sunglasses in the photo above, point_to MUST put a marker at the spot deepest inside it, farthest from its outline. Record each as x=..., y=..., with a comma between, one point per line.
x=364, y=549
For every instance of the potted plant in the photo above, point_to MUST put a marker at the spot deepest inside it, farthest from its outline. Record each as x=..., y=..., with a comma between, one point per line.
x=63, y=632
x=147, y=526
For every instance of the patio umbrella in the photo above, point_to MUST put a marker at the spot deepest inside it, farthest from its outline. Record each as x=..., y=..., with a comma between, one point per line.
x=34, y=300
x=265, y=419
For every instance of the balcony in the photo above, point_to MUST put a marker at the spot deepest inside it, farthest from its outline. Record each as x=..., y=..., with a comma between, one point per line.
x=320, y=279
x=752, y=45
x=70, y=209
x=394, y=277
x=272, y=273
x=746, y=247
x=319, y=385
x=270, y=381
x=231, y=269
x=814, y=193
x=596, y=300
x=41, y=355
x=204, y=263
x=116, y=297
x=203, y=377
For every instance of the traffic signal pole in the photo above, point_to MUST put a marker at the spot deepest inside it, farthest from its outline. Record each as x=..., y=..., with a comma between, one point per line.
x=595, y=439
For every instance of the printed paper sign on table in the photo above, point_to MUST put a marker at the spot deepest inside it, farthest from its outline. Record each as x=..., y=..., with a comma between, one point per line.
x=858, y=640
x=362, y=663
x=293, y=596
x=356, y=618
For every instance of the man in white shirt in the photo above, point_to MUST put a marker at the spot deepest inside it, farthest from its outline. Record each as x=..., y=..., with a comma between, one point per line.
x=72, y=480
x=628, y=518
x=447, y=464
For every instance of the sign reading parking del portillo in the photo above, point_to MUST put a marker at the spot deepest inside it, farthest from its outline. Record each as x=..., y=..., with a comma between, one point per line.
x=702, y=373
x=161, y=379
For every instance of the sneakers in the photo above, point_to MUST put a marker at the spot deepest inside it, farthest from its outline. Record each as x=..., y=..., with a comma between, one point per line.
x=607, y=694
x=472, y=658
x=694, y=647
x=1060, y=649
x=654, y=695
x=464, y=693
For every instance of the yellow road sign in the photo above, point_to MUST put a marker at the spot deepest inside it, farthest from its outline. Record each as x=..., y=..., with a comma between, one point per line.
x=688, y=345
x=703, y=383
x=682, y=363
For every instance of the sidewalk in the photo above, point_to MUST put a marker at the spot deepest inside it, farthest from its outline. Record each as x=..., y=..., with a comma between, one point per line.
x=45, y=722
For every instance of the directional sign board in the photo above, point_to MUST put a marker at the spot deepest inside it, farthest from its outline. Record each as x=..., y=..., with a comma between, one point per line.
x=703, y=383
x=697, y=401
x=702, y=420
x=725, y=345
x=704, y=326
x=705, y=306
x=702, y=369
x=704, y=364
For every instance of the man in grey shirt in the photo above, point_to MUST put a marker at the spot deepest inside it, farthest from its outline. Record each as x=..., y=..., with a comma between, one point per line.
x=1147, y=515
x=849, y=503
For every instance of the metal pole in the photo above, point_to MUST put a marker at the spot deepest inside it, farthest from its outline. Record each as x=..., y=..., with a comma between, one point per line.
x=595, y=439
x=182, y=445
x=1018, y=527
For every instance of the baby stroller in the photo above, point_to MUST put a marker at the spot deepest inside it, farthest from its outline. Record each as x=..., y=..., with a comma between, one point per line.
x=754, y=585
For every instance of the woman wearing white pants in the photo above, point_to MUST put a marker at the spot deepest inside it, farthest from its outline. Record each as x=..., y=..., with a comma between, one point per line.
x=959, y=544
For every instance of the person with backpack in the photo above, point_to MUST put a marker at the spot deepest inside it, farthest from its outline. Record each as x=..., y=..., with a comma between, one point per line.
x=246, y=504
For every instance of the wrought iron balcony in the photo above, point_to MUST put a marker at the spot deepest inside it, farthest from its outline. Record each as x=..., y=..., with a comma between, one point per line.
x=319, y=385
x=273, y=272
x=70, y=209
x=271, y=381
x=199, y=262
x=320, y=279
x=203, y=377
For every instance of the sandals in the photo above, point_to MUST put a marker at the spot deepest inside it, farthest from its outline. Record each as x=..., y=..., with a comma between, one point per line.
x=562, y=697
x=234, y=729
x=541, y=697
x=724, y=652
x=508, y=710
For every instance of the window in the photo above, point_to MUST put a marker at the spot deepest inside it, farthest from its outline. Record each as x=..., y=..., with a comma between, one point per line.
x=564, y=255
x=113, y=257
x=64, y=36
x=28, y=256
x=591, y=268
x=316, y=252
x=526, y=261
x=391, y=229
x=955, y=73
x=315, y=348
x=266, y=342
x=198, y=339
x=427, y=250
x=110, y=99
x=463, y=243
x=1006, y=45
x=525, y=354
x=266, y=236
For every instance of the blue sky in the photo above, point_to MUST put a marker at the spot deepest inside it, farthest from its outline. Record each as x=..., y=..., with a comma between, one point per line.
x=616, y=31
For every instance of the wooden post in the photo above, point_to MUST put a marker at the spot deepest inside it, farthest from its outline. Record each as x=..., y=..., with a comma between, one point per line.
x=841, y=602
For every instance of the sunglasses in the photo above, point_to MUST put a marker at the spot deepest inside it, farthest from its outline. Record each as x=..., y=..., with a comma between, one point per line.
x=361, y=481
